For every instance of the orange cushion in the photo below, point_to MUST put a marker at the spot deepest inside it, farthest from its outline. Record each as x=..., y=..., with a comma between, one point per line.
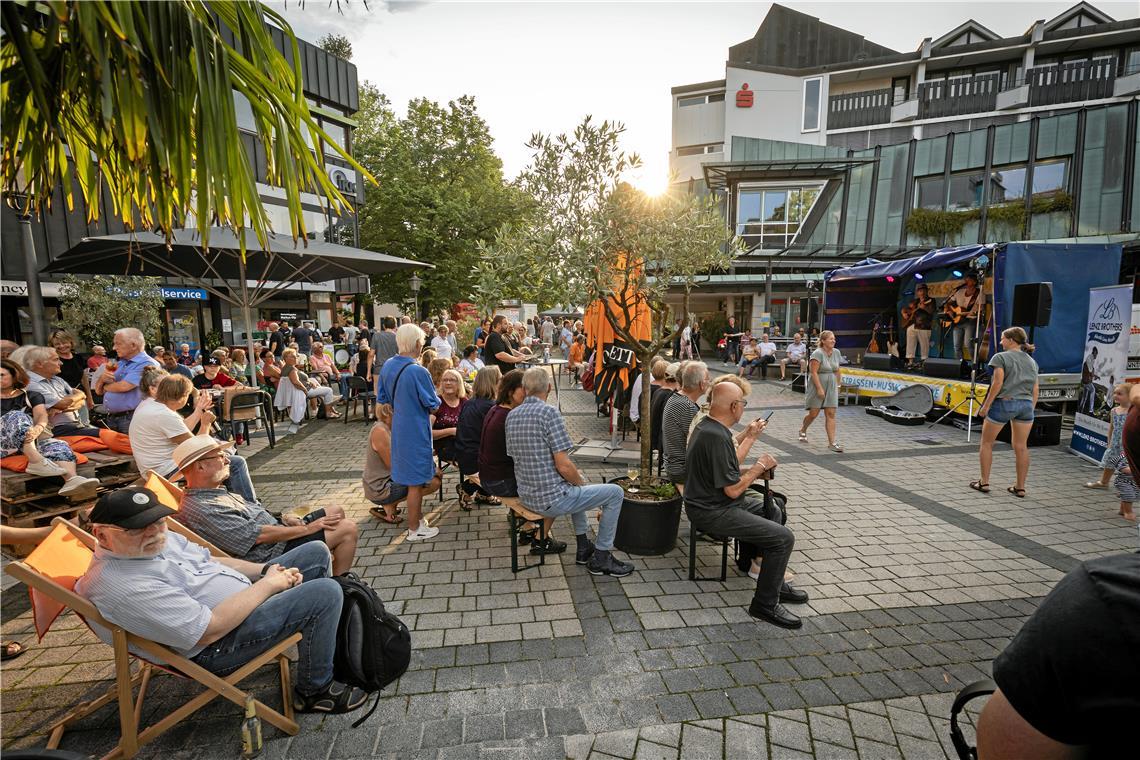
x=83, y=443
x=19, y=462
x=116, y=442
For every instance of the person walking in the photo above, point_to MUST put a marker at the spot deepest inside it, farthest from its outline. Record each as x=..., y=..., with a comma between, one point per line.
x=1011, y=398
x=822, y=388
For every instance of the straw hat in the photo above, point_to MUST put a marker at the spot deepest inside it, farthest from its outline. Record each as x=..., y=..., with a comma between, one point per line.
x=200, y=446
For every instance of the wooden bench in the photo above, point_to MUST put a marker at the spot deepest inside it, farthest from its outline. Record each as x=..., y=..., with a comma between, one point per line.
x=517, y=515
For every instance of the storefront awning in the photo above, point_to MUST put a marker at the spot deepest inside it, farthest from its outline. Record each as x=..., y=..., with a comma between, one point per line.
x=943, y=257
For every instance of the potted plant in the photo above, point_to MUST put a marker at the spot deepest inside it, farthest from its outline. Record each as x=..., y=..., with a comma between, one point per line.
x=592, y=238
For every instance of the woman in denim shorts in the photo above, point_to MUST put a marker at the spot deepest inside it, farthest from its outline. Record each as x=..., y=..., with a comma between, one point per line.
x=1011, y=398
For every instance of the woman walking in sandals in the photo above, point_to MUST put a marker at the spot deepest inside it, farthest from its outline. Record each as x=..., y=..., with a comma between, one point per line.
x=822, y=389
x=1011, y=398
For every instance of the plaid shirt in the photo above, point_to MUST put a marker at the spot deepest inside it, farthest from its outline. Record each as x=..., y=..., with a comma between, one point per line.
x=535, y=433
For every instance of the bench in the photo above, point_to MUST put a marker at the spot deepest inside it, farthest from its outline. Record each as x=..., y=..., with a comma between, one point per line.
x=34, y=500
x=517, y=515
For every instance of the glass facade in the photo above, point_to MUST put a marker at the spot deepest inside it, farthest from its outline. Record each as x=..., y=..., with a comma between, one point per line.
x=769, y=217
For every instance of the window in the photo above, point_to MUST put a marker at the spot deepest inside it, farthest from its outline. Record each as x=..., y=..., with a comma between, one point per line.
x=928, y=192
x=813, y=91
x=715, y=148
x=1132, y=61
x=243, y=112
x=697, y=100
x=965, y=191
x=770, y=217
x=717, y=98
x=696, y=150
x=900, y=89
x=1008, y=182
x=338, y=133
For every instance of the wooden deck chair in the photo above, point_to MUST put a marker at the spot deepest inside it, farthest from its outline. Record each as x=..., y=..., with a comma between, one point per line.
x=51, y=571
x=170, y=495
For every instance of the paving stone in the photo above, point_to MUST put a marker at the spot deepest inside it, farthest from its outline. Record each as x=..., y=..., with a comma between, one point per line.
x=668, y=734
x=789, y=733
x=700, y=743
x=563, y=720
x=647, y=750
x=617, y=743
x=480, y=728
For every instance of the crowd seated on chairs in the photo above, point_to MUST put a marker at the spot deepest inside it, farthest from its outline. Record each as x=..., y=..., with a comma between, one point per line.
x=295, y=391
x=219, y=612
x=468, y=434
x=379, y=488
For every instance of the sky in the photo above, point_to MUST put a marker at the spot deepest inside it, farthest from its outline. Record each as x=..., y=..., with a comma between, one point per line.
x=542, y=66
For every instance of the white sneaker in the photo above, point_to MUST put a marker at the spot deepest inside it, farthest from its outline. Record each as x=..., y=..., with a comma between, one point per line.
x=47, y=468
x=294, y=429
x=76, y=483
x=422, y=533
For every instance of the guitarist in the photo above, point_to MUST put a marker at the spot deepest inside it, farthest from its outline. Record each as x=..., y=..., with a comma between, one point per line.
x=962, y=308
x=917, y=317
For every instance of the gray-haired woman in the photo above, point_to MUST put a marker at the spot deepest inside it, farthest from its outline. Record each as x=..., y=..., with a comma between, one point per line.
x=822, y=388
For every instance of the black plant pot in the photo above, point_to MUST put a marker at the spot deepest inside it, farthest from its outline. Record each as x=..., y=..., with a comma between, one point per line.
x=648, y=527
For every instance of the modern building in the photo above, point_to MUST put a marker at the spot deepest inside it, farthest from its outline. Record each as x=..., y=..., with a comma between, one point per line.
x=829, y=148
x=330, y=86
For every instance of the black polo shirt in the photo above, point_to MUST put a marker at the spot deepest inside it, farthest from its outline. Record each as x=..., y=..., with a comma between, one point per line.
x=711, y=462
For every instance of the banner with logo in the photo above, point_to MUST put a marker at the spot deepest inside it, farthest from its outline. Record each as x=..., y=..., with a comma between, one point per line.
x=1105, y=364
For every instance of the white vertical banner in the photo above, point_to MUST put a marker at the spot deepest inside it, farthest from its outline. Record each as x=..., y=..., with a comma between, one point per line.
x=1105, y=364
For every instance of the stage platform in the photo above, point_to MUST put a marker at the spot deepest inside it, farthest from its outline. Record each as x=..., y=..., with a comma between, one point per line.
x=871, y=383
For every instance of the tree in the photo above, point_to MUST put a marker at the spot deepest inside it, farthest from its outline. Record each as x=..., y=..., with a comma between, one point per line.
x=337, y=44
x=593, y=238
x=442, y=194
x=134, y=101
x=94, y=308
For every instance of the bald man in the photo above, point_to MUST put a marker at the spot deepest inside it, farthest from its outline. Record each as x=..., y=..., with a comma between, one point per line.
x=719, y=502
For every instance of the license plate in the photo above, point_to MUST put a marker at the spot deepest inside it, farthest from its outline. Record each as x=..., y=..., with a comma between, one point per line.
x=1050, y=393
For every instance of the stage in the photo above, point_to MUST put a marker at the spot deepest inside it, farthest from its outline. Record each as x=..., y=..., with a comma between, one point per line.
x=871, y=383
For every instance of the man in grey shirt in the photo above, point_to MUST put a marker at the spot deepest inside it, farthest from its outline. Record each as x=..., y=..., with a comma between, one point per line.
x=244, y=528
x=220, y=613
x=62, y=401
x=383, y=345
x=678, y=415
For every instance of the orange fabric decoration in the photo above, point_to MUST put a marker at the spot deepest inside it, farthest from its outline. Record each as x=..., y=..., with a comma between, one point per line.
x=83, y=443
x=600, y=335
x=116, y=442
x=19, y=462
x=62, y=557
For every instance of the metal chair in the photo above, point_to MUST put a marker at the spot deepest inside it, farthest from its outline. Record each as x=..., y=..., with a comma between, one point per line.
x=359, y=391
x=247, y=406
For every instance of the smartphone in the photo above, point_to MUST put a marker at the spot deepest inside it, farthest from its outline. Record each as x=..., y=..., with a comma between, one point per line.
x=768, y=416
x=315, y=515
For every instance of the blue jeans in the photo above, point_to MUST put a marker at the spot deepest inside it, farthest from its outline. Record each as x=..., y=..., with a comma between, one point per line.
x=313, y=608
x=580, y=499
x=239, y=481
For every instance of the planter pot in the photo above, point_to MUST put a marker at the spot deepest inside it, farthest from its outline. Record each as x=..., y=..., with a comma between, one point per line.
x=648, y=527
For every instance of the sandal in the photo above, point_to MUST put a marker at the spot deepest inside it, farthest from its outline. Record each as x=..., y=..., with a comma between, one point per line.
x=1095, y=484
x=384, y=517
x=836, y=448
x=979, y=486
x=12, y=650
x=1018, y=492
x=465, y=498
x=803, y=436
x=336, y=698
x=487, y=499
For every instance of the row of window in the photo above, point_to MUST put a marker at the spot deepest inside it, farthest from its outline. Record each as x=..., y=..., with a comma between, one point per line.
x=700, y=100
x=337, y=131
x=318, y=225
x=964, y=190
x=697, y=150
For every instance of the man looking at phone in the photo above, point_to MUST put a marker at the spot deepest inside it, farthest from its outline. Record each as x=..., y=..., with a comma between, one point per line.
x=718, y=502
x=242, y=528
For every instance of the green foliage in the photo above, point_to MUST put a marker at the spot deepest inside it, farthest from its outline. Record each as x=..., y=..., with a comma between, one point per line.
x=337, y=44
x=465, y=332
x=932, y=224
x=133, y=101
x=443, y=194
x=94, y=308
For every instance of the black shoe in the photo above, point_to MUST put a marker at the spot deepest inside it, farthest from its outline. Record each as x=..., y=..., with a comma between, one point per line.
x=777, y=614
x=548, y=546
x=792, y=595
x=525, y=537
x=336, y=698
x=604, y=563
x=584, y=553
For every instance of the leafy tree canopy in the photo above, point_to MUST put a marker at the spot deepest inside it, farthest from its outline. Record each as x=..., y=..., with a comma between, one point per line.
x=337, y=44
x=94, y=308
x=441, y=193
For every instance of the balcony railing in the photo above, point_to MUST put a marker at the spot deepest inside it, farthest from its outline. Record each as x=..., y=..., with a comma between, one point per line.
x=859, y=109
x=957, y=96
x=1071, y=82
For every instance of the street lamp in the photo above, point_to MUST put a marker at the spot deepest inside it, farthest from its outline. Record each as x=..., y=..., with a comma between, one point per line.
x=415, y=283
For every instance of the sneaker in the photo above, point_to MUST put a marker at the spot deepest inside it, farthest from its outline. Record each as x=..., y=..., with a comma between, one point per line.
x=422, y=533
x=335, y=698
x=548, y=546
x=294, y=428
x=777, y=614
x=584, y=553
x=47, y=468
x=74, y=484
x=605, y=563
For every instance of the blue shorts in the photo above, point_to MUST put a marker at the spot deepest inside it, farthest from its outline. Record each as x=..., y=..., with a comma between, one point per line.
x=1006, y=410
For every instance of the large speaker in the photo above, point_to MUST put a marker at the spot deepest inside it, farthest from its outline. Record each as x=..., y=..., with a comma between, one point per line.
x=1032, y=304
x=949, y=368
x=877, y=361
x=808, y=310
x=1046, y=430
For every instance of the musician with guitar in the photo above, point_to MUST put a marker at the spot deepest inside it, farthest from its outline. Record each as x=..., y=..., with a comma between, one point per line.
x=960, y=311
x=917, y=317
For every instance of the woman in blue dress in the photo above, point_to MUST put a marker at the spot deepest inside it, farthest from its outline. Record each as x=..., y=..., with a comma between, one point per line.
x=407, y=388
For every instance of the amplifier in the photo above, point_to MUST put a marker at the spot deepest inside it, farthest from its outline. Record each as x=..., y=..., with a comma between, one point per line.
x=877, y=361
x=1046, y=429
x=947, y=368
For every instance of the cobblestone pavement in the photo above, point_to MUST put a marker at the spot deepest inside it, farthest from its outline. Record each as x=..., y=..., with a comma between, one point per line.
x=916, y=583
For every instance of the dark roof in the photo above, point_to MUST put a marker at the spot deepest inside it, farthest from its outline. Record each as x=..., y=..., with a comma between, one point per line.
x=790, y=39
x=697, y=87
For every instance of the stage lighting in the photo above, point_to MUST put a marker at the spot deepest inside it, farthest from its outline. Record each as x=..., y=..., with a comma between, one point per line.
x=957, y=273
x=890, y=278
x=918, y=275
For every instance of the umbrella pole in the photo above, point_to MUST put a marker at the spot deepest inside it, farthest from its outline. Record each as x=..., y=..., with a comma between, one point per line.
x=251, y=360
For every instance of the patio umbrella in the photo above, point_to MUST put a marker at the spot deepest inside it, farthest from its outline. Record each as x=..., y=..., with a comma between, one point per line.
x=273, y=267
x=615, y=361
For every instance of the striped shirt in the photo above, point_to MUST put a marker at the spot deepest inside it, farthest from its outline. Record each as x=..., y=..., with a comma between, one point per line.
x=229, y=522
x=675, y=421
x=168, y=598
x=535, y=433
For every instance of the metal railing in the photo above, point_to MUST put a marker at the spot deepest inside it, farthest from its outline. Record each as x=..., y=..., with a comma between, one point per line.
x=859, y=109
x=958, y=95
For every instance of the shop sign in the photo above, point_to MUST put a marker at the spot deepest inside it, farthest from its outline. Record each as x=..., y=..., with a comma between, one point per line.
x=744, y=97
x=19, y=289
x=171, y=293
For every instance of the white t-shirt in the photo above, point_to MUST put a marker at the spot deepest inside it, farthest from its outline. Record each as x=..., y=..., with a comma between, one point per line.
x=350, y=333
x=443, y=349
x=152, y=428
x=797, y=352
x=768, y=349
x=467, y=367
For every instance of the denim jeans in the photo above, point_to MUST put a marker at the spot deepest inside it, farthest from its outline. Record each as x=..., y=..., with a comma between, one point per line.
x=313, y=608
x=239, y=481
x=963, y=338
x=580, y=499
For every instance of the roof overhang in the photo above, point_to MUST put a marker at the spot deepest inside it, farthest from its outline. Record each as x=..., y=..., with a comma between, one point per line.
x=719, y=175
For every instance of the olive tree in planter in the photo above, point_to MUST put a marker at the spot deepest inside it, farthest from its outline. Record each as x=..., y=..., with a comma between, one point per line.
x=590, y=237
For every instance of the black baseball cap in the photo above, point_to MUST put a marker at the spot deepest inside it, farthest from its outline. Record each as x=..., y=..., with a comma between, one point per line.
x=129, y=508
x=213, y=361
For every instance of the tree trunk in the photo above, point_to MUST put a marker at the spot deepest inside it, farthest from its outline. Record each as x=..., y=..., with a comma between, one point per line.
x=644, y=421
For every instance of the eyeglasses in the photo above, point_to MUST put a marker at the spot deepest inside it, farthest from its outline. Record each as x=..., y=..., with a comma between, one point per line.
x=219, y=455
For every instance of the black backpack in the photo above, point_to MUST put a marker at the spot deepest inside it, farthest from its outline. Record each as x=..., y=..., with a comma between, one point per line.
x=373, y=646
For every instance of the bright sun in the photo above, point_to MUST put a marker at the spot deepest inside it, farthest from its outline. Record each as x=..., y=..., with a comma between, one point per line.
x=651, y=179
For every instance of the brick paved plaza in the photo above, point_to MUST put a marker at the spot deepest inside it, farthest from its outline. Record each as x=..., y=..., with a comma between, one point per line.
x=916, y=583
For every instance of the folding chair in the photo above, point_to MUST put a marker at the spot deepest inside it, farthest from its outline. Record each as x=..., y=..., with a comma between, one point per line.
x=51, y=571
x=170, y=495
x=359, y=392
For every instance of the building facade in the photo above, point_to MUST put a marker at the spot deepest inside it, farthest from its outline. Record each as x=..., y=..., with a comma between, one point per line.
x=191, y=313
x=829, y=148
